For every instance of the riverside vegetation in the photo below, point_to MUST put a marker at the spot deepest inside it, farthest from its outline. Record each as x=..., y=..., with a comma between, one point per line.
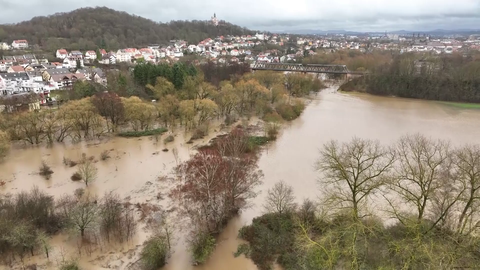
x=430, y=194
x=182, y=95
x=183, y=98
x=444, y=78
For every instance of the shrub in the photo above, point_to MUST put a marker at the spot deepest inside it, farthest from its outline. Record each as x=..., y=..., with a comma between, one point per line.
x=255, y=141
x=298, y=107
x=290, y=112
x=79, y=192
x=270, y=238
x=271, y=130
x=199, y=133
x=202, y=246
x=4, y=144
x=129, y=134
x=45, y=170
x=272, y=117
x=69, y=265
x=154, y=253
x=169, y=139
x=76, y=176
x=286, y=112
x=69, y=162
x=105, y=155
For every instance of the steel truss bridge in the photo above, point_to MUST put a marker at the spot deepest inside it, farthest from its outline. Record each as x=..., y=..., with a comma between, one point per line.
x=327, y=69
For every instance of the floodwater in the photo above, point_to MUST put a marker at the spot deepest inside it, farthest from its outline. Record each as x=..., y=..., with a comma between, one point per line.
x=135, y=162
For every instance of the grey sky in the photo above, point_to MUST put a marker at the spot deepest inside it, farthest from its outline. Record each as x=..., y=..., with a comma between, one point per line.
x=358, y=15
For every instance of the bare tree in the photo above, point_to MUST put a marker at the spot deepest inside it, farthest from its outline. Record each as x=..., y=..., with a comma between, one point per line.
x=353, y=171
x=83, y=215
x=421, y=173
x=87, y=170
x=280, y=199
x=467, y=165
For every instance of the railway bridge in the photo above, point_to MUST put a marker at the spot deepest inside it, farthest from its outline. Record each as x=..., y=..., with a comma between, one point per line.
x=313, y=68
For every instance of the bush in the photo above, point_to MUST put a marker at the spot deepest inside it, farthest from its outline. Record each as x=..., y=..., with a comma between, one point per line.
x=129, y=134
x=154, y=253
x=69, y=162
x=105, y=155
x=271, y=130
x=69, y=265
x=169, y=139
x=45, y=170
x=271, y=238
x=272, y=117
x=202, y=246
x=4, y=144
x=79, y=192
x=289, y=112
x=298, y=107
x=255, y=141
x=199, y=133
x=76, y=176
x=286, y=112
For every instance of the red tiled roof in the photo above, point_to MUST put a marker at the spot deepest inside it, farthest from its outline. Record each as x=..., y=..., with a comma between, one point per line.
x=18, y=68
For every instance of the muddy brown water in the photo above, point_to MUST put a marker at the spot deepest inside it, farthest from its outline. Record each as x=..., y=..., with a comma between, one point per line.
x=134, y=162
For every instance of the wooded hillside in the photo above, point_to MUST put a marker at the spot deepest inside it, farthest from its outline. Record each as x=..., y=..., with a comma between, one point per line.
x=87, y=28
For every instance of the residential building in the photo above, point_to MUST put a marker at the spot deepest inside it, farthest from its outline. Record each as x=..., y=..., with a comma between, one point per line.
x=72, y=62
x=4, y=46
x=15, y=69
x=20, y=44
x=90, y=55
x=61, y=54
x=76, y=55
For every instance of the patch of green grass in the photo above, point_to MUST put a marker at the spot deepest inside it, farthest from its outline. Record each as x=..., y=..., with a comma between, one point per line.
x=129, y=134
x=462, y=105
x=256, y=141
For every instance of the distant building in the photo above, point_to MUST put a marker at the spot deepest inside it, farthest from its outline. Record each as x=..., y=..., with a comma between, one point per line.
x=20, y=44
x=214, y=19
x=4, y=46
x=61, y=54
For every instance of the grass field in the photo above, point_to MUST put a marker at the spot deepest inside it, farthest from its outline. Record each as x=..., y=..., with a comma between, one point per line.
x=462, y=105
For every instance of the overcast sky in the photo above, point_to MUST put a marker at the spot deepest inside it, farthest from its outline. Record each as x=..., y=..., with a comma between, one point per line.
x=357, y=15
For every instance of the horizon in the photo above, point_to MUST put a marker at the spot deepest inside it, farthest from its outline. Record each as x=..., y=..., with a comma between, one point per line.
x=344, y=15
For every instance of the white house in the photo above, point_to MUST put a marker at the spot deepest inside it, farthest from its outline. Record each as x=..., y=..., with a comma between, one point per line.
x=234, y=52
x=90, y=55
x=61, y=54
x=125, y=55
x=71, y=62
x=20, y=44
x=20, y=82
x=260, y=36
x=4, y=46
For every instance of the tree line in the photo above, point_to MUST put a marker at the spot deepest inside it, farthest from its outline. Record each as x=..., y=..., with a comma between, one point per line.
x=182, y=94
x=101, y=27
x=446, y=78
x=410, y=205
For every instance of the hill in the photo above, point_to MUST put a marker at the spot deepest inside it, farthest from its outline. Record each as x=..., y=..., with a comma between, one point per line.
x=88, y=28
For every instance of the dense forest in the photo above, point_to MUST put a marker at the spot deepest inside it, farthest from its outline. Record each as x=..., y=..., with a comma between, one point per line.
x=89, y=28
x=446, y=78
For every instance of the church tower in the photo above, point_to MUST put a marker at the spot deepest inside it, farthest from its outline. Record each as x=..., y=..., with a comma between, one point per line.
x=214, y=19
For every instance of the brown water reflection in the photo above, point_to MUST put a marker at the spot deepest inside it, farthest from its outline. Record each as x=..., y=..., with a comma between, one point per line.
x=331, y=115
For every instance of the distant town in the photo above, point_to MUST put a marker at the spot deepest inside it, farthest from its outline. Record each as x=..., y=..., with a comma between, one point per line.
x=26, y=73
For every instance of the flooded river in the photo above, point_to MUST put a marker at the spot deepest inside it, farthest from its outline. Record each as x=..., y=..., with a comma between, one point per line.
x=331, y=115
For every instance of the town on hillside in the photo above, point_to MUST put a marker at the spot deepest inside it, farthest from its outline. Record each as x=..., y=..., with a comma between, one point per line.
x=30, y=73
